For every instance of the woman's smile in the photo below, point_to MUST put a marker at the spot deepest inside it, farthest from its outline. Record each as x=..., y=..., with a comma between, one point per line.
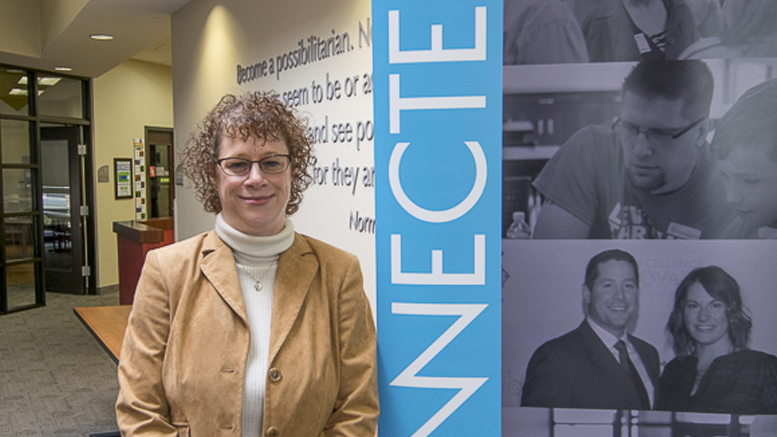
x=254, y=203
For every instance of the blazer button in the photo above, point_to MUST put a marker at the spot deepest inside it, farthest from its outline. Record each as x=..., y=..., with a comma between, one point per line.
x=271, y=432
x=275, y=375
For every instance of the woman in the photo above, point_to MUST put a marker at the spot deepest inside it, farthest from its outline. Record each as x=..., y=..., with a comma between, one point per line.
x=250, y=329
x=714, y=371
x=637, y=30
x=749, y=33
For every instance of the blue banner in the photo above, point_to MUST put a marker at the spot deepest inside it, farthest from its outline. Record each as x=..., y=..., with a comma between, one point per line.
x=437, y=71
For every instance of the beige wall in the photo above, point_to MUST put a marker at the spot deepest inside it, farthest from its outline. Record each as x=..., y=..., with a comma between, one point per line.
x=126, y=99
x=20, y=27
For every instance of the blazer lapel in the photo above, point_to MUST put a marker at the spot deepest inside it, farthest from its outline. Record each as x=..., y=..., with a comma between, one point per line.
x=218, y=265
x=599, y=352
x=297, y=267
x=604, y=359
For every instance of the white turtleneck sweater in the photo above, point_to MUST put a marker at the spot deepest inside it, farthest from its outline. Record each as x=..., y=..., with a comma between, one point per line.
x=259, y=256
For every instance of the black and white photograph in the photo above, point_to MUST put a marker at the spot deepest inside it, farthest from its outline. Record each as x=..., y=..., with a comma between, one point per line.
x=577, y=31
x=645, y=150
x=675, y=332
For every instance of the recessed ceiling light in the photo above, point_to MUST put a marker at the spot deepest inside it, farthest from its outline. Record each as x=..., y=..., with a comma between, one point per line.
x=20, y=92
x=45, y=81
x=48, y=81
x=14, y=71
x=63, y=69
x=101, y=37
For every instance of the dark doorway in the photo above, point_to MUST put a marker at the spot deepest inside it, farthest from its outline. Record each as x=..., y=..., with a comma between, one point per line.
x=62, y=198
x=159, y=173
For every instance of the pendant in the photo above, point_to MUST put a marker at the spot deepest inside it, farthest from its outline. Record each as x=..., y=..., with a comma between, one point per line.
x=258, y=286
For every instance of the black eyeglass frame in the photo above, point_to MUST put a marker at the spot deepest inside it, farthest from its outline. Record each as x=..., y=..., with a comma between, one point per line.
x=656, y=132
x=251, y=164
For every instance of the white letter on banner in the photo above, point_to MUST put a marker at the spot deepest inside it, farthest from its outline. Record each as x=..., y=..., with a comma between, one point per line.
x=447, y=215
x=397, y=103
x=437, y=277
x=409, y=378
x=437, y=53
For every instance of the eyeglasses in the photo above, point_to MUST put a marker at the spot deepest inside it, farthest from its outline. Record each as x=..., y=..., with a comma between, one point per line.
x=632, y=131
x=273, y=164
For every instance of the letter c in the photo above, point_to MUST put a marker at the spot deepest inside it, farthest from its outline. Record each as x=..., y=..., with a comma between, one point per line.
x=446, y=215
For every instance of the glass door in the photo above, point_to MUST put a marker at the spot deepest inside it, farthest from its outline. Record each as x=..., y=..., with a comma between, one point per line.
x=62, y=228
x=22, y=271
x=21, y=274
x=45, y=138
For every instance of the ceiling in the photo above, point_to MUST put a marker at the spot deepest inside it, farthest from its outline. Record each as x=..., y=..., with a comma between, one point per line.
x=44, y=34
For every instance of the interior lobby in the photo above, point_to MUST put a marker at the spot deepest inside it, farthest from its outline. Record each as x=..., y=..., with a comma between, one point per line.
x=98, y=98
x=72, y=101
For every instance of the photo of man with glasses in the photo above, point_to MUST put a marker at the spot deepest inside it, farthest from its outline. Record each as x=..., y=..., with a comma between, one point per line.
x=647, y=174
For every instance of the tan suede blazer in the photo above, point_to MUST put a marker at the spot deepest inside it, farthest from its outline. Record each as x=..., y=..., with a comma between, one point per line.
x=183, y=359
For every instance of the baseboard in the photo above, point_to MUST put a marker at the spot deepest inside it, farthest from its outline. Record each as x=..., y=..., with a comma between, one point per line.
x=108, y=289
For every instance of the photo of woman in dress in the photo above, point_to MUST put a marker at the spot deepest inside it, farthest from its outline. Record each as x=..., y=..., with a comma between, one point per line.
x=714, y=370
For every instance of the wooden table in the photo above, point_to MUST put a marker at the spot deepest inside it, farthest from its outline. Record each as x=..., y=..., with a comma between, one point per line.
x=107, y=324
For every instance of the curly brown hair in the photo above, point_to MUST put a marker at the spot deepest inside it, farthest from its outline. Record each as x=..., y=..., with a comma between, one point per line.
x=259, y=115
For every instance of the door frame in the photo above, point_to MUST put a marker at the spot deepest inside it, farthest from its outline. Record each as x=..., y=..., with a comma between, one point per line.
x=86, y=126
x=149, y=130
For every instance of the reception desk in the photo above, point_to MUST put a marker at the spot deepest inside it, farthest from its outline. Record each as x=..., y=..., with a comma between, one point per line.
x=134, y=240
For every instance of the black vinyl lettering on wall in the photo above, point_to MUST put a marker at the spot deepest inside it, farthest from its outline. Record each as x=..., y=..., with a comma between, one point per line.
x=327, y=89
x=311, y=49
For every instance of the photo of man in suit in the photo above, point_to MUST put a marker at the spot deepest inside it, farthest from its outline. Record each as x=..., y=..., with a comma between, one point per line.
x=598, y=365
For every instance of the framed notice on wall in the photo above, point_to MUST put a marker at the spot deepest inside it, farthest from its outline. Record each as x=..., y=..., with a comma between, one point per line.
x=122, y=172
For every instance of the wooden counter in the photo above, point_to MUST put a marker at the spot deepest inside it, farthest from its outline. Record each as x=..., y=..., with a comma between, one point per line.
x=138, y=232
x=134, y=240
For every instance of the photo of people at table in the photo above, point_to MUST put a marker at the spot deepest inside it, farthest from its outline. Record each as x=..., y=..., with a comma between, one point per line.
x=647, y=150
x=671, y=326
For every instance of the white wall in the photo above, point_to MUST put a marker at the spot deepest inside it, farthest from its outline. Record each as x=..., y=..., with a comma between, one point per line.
x=210, y=39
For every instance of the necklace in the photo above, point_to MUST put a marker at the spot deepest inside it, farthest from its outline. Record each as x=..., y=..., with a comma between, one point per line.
x=258, y=282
